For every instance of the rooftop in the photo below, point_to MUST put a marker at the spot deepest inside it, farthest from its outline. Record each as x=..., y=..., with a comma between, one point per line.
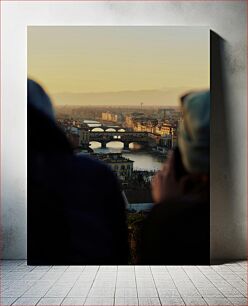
x=111, y=157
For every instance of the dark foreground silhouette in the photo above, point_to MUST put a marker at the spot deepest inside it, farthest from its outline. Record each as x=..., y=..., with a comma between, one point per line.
x=177, y=231
x=76, y=214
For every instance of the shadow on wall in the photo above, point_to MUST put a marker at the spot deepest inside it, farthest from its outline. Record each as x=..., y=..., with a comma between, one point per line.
x=222, y=215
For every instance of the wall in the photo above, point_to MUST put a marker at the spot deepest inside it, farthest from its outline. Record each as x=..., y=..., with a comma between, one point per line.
x=228, y=142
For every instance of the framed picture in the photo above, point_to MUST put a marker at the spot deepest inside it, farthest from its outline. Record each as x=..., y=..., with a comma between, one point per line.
x=118, y=145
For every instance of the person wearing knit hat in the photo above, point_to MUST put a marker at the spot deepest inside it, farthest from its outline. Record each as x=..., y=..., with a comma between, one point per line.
x=76, y=212
x=38, y=98
x=177, y=229
x=187, y=166
x=194, y=132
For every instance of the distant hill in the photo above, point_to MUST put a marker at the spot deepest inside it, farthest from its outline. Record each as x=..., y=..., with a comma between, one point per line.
x=129, y=98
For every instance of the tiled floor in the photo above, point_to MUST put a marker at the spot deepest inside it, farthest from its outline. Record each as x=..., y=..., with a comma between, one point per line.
x=123, y=285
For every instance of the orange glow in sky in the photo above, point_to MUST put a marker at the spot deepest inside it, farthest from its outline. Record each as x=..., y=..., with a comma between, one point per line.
x=96, y=60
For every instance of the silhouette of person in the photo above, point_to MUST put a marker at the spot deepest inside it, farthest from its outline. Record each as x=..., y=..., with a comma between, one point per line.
x=76, y=213
x=177, y=230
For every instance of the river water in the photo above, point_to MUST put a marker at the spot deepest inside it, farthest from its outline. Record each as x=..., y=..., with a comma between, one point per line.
x=143, y=159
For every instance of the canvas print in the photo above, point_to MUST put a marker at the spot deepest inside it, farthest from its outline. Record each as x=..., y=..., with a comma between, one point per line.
x=118, y=145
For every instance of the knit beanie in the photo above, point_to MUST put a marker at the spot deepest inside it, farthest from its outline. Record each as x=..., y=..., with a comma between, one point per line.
x=194, y=132
x=38, y=99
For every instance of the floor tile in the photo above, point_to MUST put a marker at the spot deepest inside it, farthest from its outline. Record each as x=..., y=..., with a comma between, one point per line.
x=79, y=291
x=26, y=301
x=189, y=292
x=38, y=290
x=126, y=292
x=50, y=301
x=125, y=269
x=230, y=292
x=217, y=301
x=166, y=301
x=126, y=283
x=7, y=301
x=210, y=292
x=145, y=283
x=164, y=292
x=194, y=301
x=147, y=292
x=99, y=301
x=73, y=301
x=58, y=291
x=239, y=301
x=75, y=269
x=121, y=301
x=102, y=292
x=149, y=301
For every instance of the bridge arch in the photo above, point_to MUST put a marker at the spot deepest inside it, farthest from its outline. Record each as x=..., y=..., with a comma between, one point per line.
x=110, y=129
x=96, y=144
x=108, y=144
x=97, y=129
x=125, y=144
x=124, y=137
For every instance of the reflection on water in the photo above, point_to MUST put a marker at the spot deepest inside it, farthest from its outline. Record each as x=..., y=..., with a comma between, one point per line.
x=143, y=160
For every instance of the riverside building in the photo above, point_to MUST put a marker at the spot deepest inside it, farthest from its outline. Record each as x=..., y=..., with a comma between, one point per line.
x=122, y=166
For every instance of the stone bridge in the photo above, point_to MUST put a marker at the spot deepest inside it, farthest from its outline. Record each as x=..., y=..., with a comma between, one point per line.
x=104, y=128
x=124, y=137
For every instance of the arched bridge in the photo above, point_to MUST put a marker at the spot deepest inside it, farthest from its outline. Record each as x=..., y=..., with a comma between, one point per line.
x=105, y=128
x=124, y=137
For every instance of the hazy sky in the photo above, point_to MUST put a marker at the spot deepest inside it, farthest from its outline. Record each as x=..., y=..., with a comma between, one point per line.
x=93, y=59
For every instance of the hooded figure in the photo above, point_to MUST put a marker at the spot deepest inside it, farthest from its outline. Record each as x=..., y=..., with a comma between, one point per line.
x=177, y=230
x=194, y=132
x=76, y=213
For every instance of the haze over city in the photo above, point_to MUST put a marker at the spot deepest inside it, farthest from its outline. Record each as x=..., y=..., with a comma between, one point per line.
x=118, y=65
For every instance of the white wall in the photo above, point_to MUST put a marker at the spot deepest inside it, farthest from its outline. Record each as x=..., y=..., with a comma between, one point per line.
x=228, y=143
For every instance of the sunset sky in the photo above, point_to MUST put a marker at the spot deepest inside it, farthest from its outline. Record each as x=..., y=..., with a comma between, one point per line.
x=93, y=65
